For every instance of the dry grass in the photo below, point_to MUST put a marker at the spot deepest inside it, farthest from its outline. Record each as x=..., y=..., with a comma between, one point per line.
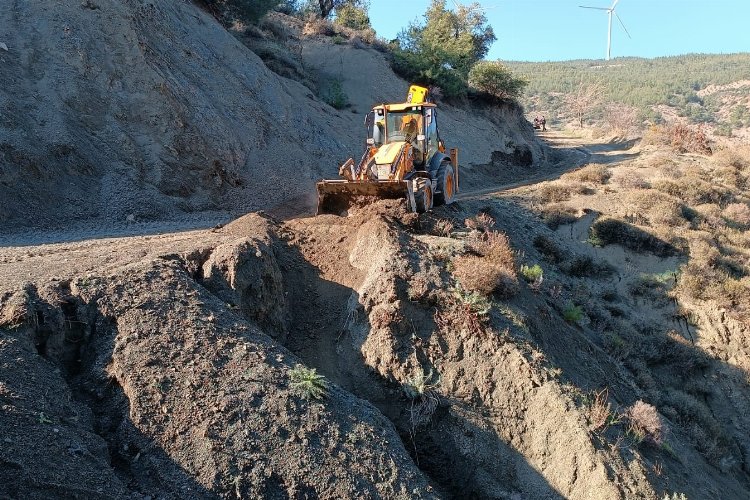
x=632, y=180
x=739, y=213
x=737, y=158
x=592, y=173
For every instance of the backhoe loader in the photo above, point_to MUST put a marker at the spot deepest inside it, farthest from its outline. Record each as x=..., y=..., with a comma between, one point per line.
x=403, y=158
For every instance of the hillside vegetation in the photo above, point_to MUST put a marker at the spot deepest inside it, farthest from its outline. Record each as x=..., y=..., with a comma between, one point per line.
x=689, y=85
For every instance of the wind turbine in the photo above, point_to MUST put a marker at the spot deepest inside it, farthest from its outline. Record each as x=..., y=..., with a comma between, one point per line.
x=610, y=11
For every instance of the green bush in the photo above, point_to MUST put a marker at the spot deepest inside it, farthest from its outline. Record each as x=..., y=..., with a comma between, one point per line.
x=335, y=95
x=573, y=313
x=352, y=16
x=308, y=383
x=495, y=79
x=532, y=273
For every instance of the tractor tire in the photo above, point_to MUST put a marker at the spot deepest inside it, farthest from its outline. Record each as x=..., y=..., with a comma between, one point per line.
x=446, y=184
x=423, y=195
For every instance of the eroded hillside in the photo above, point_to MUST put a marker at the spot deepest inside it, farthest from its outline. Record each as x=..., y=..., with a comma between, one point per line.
x=116, y=113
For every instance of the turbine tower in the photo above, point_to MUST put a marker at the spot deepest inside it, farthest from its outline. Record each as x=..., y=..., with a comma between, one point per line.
x=610, y=11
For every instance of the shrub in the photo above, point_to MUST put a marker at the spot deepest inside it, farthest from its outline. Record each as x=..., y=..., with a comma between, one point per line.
x=420, y=389
x=480, y=222
x=593, y=173
x=477, y=274
x=475, y=302
x=352, y=16
x=495, y=79
x=632, y=180
x=645, y=424
x=607, y=231
x=548, y=249
x=491, y=268
x=682, y=138
x=308, y=383
x=553, y=192
x=533, y=273
x=600, y=414
x=249, y=11
x=420, y=383
x=495, y=247
x=318, y=26
x=573, y=313
x=556, y=216
x=584, y=266
x=738, y=213
x=735, y=157
x=335, y=95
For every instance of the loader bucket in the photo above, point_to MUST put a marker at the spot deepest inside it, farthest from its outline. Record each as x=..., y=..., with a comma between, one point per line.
x=335, y=197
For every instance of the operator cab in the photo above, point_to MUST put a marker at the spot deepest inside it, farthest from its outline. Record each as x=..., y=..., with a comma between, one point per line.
x=410, y=122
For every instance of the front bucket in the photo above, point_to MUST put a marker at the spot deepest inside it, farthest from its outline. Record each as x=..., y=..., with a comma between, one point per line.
x=335, y=197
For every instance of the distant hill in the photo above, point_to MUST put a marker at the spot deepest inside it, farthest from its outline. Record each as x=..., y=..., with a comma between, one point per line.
x=701, y=88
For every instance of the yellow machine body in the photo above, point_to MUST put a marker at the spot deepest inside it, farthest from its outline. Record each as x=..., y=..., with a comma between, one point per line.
x=404, y=158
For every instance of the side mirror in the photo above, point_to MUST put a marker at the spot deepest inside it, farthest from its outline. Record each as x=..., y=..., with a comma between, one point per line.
x=421, y=137
x=370, y=141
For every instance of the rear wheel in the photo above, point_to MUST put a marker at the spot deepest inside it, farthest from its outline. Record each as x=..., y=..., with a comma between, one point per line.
x=423, y=195
x=446, y=185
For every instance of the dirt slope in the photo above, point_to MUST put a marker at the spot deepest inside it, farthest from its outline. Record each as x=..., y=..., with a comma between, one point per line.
x=190, y=398
x=115, y=113
x=165, y=361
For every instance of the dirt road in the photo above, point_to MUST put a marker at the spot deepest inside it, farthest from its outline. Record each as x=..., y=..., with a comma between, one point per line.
x=31, y=257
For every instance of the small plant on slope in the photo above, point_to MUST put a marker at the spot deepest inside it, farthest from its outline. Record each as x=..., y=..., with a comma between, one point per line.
x=308, y=383
x=573, y=313
x=420, y=389
x=644, y=423
x=475, y=302
x=533, y=274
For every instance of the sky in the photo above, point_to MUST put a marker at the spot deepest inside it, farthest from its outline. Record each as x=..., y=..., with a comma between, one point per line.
x=558, y=30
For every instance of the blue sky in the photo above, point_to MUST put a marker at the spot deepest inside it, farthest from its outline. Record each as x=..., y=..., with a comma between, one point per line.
x=555, y=30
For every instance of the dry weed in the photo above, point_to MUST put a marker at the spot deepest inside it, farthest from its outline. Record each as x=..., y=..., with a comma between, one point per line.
x=553, y=192
x=645, y=423
x=475, y=274
x=495, y=247
x=738, y=213
x=736, y=157
x=481, y=222
x=315, y=25
x=593, y=173
x=682, y=138
x=632, y=180
x=600, y=413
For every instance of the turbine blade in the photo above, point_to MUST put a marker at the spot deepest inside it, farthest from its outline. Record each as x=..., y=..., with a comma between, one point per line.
x=623, y=25
x=597, y=8
x=613, y=5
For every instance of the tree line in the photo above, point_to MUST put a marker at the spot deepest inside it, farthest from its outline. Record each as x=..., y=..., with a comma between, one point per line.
x=444, y=50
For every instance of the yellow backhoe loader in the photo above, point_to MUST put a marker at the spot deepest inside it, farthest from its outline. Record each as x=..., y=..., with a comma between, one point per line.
x=404, y=158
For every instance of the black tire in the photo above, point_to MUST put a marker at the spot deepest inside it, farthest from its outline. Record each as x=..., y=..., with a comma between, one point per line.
x=446, y=184
x=423, y=195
